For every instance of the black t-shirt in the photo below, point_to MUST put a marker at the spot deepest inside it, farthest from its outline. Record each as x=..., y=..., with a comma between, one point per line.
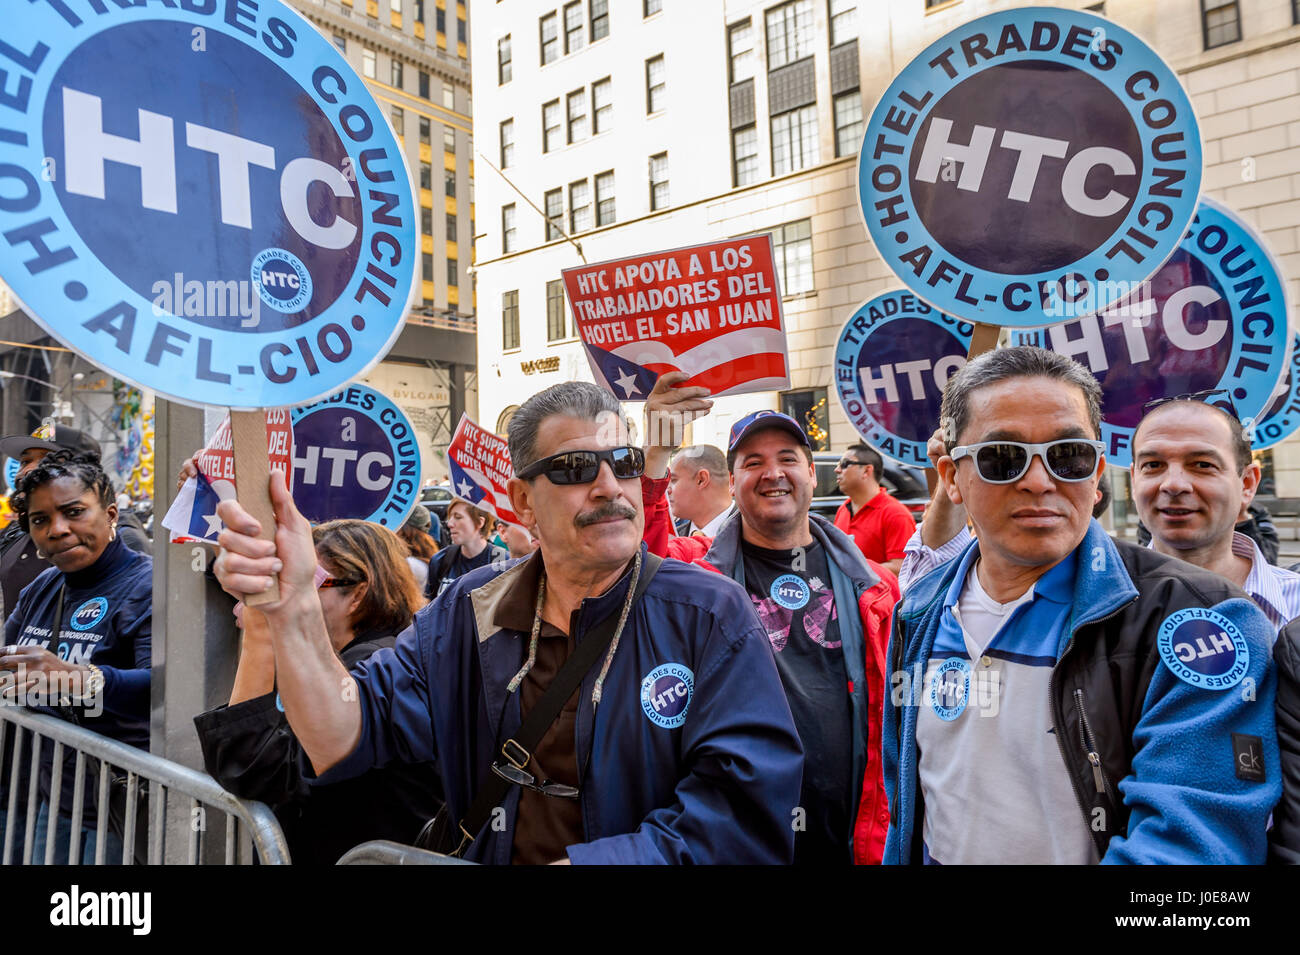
x=792, y=593
x=446, y=565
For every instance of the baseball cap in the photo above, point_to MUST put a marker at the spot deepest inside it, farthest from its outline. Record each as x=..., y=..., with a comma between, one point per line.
x=51, y=438
x=765, y=419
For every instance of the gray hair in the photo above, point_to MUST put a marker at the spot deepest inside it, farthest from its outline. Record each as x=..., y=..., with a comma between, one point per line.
x=573, y=399
x=1022, y=361
x=704, y=457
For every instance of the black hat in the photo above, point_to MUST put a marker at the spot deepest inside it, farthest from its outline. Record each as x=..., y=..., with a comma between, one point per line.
x=51, y=438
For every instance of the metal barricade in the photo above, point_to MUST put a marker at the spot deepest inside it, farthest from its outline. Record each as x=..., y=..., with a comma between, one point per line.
x=382, y=852
x=250, y=828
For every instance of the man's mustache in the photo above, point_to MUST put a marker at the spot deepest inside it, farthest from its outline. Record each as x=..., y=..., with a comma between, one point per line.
x=605, y=512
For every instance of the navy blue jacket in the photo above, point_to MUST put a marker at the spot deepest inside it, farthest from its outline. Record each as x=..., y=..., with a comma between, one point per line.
x=714, y=782
x=107, y=621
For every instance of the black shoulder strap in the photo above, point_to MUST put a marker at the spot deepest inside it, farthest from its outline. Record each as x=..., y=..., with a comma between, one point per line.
x=518, y=749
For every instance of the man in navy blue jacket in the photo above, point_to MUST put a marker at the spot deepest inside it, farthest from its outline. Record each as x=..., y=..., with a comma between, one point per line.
x=679, y=741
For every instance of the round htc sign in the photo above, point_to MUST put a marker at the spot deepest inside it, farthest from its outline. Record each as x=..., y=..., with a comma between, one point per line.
x=1029, y=156
x=202, y=196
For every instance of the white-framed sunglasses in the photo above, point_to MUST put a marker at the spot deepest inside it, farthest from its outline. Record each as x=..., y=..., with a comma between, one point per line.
x=1003, y=462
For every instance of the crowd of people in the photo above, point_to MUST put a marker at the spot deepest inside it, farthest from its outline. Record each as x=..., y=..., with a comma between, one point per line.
x=672, y=658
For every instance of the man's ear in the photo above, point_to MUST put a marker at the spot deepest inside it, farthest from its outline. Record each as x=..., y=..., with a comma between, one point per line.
x=947, y=469
x=1249, y=484
x=702, y=478
x=522, y=500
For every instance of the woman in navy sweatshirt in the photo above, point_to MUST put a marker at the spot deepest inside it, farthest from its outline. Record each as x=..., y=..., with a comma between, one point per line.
x=80, y=639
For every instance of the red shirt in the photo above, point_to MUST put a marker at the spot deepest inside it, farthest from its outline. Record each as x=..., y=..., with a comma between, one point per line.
x=881, y=527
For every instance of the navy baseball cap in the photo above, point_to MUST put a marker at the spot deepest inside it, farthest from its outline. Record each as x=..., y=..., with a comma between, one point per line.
x=765, y=419
x=51, y=438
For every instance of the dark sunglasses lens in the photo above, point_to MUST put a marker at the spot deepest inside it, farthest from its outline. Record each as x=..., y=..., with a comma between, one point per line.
x=1072, y=460
x=576, y=467
x=628, y=463
x=1001, y=462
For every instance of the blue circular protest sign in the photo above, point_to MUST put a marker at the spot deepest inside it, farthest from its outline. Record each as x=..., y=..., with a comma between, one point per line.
x=1214, y=317
x=1031, y=155
x=355, y=455
x=203, y=198
x=892, y=359
x=1281, y=418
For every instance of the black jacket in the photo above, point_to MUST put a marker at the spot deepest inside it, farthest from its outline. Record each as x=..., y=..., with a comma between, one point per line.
x=441, y=564
x=251, y=751
x=1284, y=837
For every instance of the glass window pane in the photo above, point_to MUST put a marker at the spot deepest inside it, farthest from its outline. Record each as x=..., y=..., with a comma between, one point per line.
x=602, y=105
x=554, y=205
x=744, y=145
x=599, y=19
x=549, y=27
x=573, y=27
x=579, y=206
x=848, y=123
x=576, y=105
x=740, y=36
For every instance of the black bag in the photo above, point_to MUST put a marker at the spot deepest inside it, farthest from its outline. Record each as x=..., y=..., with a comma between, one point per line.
x=442, y=833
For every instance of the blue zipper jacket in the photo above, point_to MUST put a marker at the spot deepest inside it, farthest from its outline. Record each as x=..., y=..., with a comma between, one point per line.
x=1163, y=695
x=715, y=782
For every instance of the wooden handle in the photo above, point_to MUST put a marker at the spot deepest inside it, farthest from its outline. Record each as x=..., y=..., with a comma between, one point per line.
x=252, y=483
x=984, y=338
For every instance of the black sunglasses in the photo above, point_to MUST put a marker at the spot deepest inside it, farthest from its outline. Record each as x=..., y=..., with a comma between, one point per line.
x=846, y=463
x=1202, y=396
x=581, y=467
x=521, y=777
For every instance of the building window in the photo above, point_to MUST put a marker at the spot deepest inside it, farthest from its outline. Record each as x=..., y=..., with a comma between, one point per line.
x=440, y=21
x=507, y=143
x=426, y=176
x=602, y=105
x=453, y=273
x=509, y=320
x=792, y=255
x=848, y=123
x=579, y=206
x=550, y=125
x=503, y=60
x=740, y=47
x=341, y=42
x=399, y=121
x=419, y=11
x=427, y=267
x=426, y=221
x=650, y=7
x=808, y=407
x=655, y=99
x=573, y=27
x=1295, y=18
x=368, y=64
x=549, y=26
x=424, y=84
x=794, y=140
x=557, y=329
x=659, y=181
x=553, y=202
x=576, y=106
x=460, y=30
x=424, y=130
x=451, y=227
x=599, y=19
x=1220, y=22
x=449, y=181
x=448, y=139
x=744, y=153
x=605, y=198
x=789, y=33
x=508, y=228
x=397, y=74
x=844, y=20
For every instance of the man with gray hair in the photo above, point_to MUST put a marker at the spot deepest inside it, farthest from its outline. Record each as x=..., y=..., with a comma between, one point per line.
x=1059, y=697
x=586, y=704
x=699, y=489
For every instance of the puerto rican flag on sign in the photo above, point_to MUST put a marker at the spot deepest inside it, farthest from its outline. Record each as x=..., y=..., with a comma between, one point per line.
x=192, y=518
x=712, y=311
x=480, y=466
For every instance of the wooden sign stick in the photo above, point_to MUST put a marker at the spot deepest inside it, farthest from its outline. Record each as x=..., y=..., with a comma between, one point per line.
x=983, y=339
x=252, y=482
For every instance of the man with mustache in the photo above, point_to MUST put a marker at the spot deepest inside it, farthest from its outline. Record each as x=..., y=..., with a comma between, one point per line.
x=676, y=745
x=825, y=607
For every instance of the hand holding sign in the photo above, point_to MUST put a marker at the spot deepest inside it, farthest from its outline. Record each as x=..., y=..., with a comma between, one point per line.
x=249, y=561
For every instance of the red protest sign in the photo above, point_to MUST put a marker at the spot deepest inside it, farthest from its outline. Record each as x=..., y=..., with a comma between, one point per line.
x=480, y=466
x=712, y=311
x=217, y=460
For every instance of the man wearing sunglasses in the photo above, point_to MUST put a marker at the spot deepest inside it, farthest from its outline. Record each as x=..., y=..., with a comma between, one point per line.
x=1059, y=697
x=879, y=524
x=1193, y=480
x=677, y=745
x=825, y=609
